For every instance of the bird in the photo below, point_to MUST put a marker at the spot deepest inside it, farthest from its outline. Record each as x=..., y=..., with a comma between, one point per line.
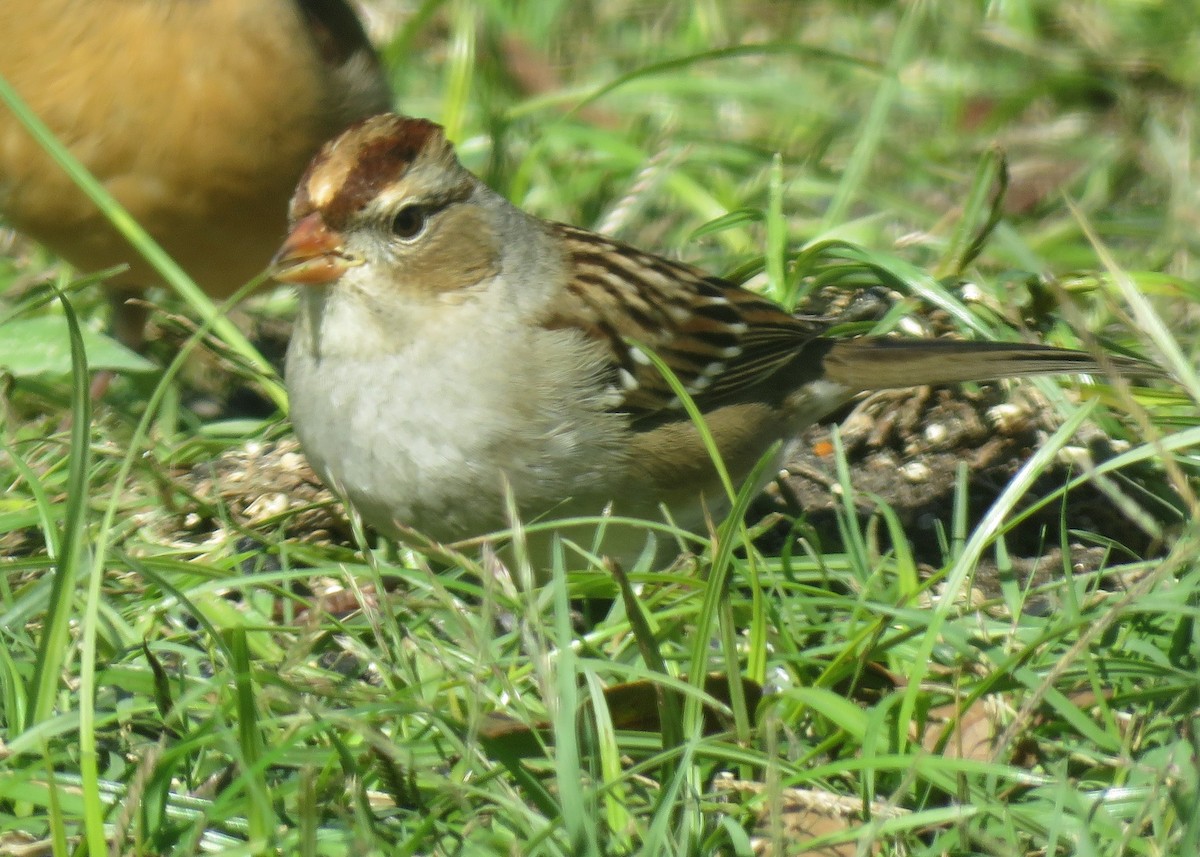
x=198, y=116
x=455, y=358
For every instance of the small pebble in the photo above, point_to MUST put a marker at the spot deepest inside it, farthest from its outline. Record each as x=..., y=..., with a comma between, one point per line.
x=936, y=433
x=971, y=293
x=916, y=472
x=1076, y=456
x=1007, y=417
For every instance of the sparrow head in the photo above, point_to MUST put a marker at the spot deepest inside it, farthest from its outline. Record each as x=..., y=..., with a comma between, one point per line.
x=388, y=195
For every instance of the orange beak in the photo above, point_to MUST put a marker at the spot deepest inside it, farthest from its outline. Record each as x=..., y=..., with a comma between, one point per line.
x=312, y=255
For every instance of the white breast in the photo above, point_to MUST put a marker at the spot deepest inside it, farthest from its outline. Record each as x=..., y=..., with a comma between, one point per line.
x=426, y=435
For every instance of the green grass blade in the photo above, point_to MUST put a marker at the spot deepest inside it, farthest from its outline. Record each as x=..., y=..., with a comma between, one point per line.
x=54, y=642
x=871, y=132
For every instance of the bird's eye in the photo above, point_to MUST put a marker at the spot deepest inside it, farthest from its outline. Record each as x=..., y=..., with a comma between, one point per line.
x=409, y=221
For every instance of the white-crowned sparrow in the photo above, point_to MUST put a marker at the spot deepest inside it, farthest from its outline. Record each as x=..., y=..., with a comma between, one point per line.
x=198, y=115
x=449, y=345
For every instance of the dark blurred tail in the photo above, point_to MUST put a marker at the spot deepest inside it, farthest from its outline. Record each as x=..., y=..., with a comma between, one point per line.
x=880, y=364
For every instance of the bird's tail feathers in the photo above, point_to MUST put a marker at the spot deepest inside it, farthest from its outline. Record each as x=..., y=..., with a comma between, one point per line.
x=871, y=363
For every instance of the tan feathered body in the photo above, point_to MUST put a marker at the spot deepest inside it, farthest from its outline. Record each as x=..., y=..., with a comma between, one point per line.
x=197, y=115
x=450, y=345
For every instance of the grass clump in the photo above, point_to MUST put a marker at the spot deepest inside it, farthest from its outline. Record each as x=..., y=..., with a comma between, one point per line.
x=188, y=665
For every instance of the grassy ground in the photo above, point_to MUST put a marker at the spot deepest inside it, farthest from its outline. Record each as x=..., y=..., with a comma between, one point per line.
x=199, y=654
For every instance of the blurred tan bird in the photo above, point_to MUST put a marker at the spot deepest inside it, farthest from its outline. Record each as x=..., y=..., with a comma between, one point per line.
x=198, y=116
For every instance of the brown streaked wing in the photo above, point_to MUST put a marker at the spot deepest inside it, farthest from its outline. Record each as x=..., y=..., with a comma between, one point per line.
x=718, y=338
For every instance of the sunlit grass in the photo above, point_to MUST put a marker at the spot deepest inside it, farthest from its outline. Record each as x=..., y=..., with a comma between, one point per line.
x=170, y=683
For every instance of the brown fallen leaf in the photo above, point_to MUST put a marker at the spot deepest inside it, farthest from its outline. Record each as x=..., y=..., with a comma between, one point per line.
x=796, y=816
x=633, y=706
